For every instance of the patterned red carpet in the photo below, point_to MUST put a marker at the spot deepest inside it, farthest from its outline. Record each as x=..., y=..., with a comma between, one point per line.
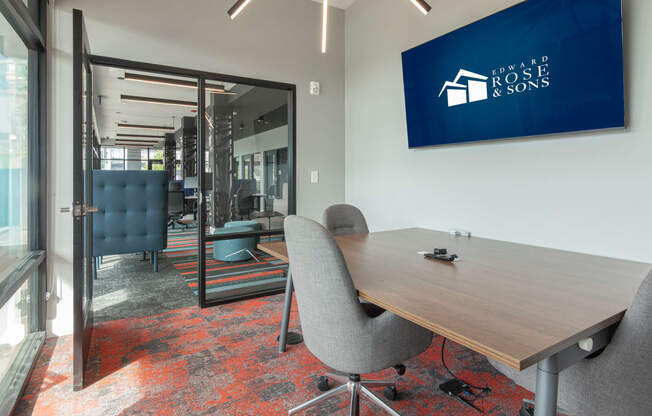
x=182, y=252
x=224, y=361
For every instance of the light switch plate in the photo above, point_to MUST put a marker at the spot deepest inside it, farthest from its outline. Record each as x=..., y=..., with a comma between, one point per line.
x=315, y=88
x=314, y=176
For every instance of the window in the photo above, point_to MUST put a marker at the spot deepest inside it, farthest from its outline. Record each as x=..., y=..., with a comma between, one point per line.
x=127, y=158
x=13, y=148
x=14, y=326
x=22, y=194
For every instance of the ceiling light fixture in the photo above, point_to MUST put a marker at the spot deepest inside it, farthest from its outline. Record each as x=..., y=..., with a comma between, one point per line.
x=144, y=127
x=324, y=26
x=144, y=136
x=150, y=100
x=237, y=8
x=217, y=89
x=422, y=6
x=133, y=144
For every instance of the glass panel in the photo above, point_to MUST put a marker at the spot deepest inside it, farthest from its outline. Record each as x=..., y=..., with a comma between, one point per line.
x=13, y=148
x=113, y=153
x=156, y=154
x=14, y=326
x=144, y=154
x=242, y=175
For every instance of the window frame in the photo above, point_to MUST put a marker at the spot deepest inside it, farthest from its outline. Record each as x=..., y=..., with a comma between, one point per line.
x=29, y=23
x=125, y=159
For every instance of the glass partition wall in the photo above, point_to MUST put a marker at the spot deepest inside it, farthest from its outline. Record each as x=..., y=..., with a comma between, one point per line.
x=248, y=140
x=232, y=152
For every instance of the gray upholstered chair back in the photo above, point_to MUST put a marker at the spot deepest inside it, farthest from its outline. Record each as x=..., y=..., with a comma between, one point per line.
x=132, y=211
x=343, y=219
x=616, y=382
x=335, y=326
x=328, y=302
x=619, y=381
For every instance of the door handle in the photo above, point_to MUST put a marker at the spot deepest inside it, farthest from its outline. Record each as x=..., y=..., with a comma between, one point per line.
x=78, y=210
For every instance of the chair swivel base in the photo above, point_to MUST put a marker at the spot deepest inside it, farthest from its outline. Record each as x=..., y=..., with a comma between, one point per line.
x=354, y=387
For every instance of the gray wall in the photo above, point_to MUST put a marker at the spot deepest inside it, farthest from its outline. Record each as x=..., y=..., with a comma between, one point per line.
x=277, y=40
x=589, y=192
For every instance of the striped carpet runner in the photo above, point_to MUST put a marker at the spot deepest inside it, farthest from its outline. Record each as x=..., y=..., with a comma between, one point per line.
x=220, y=276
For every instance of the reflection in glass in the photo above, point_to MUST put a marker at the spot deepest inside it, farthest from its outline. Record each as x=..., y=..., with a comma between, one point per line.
x=247, y=143
x=14, y=326
x=247, y=138
x=13, y=148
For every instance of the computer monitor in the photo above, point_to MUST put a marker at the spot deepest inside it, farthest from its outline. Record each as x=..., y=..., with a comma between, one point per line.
x=191, y=183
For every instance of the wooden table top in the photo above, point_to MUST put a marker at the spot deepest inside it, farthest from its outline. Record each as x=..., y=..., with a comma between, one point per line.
x=515, y=303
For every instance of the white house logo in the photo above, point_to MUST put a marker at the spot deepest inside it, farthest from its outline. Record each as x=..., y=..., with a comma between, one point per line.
x=475, y=88
x=513, y=79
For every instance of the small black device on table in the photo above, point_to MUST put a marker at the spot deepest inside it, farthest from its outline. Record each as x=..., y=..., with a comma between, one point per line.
x=442, y=255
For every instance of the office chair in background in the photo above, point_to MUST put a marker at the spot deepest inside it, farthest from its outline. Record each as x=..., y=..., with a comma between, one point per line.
x=176, y=211
x=343, y=219
x=336, y=327
x=615, y=383
x=244, y=200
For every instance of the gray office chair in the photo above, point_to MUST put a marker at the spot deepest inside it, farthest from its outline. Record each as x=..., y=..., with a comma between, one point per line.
x=244, y=200
x=343, y=219
x=617, y=382
x=336, y=327
x=176, y=208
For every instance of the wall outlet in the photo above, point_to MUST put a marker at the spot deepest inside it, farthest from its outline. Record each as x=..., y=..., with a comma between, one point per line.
x=314, y=176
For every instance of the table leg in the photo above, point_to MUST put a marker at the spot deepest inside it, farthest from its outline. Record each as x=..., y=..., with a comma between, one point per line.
x=546, y=389
x=285, y=322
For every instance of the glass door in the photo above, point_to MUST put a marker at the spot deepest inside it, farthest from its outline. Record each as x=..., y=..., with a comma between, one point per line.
x=246, y=126
x=81, y=208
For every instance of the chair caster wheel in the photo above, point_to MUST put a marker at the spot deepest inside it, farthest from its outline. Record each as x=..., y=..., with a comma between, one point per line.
x=390, y=393
x=322, y=384
x=400, y=369
x=526, y=411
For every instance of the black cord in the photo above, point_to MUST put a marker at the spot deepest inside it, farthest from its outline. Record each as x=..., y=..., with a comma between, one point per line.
x=482, y=389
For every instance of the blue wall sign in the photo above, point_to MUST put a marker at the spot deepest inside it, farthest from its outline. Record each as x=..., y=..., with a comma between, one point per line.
x=540, y=67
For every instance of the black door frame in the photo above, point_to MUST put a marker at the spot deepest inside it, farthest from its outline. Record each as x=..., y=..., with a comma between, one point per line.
x=201, y=77
x=82, y=198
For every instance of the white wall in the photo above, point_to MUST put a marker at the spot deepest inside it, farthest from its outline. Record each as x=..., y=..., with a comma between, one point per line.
x=588, y=192
x=276, y=40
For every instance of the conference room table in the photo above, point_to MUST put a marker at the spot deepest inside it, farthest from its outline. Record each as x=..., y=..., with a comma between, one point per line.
x=518, y=304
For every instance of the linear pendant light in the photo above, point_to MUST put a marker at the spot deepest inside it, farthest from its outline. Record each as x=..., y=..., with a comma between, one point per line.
x=324, y=26
x=144, y=136
x=218, y=89
x=422, y=6
x=150, y=100
x=134, y=143
x=146, y=141
x=238, y=7
x=144, y=127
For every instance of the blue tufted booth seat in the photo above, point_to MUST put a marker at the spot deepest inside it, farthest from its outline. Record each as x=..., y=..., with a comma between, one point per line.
x=132, y=212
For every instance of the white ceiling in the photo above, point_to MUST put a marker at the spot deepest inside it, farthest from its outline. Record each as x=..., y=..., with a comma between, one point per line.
x=112, y=110
x=342, y=4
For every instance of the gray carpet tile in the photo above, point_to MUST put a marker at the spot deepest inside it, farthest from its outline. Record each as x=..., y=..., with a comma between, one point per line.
x=127, y=287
